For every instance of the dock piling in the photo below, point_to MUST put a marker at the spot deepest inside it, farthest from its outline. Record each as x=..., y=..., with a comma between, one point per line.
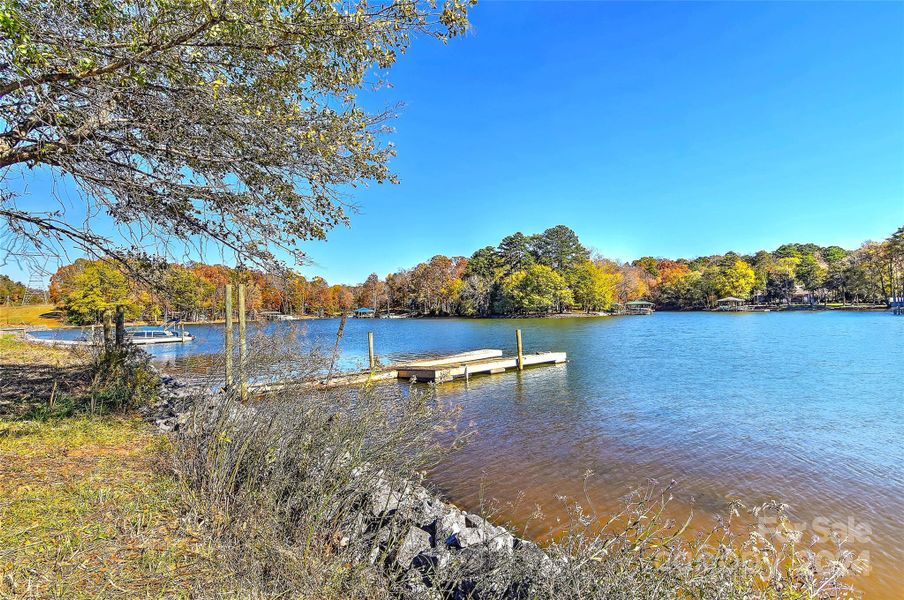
x=243, y=348
x=370, y=350
x=227, y=335
x=120, y=325
x=108, y=329
x=520, y=350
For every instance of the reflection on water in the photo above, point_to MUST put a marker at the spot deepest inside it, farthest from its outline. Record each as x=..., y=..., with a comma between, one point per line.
x=804, y=407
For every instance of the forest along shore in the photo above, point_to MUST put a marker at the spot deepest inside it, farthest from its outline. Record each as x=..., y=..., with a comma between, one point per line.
x=549, y=273
x=47, y=316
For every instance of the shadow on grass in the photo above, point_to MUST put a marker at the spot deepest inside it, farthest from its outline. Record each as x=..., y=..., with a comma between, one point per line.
x=27, y=388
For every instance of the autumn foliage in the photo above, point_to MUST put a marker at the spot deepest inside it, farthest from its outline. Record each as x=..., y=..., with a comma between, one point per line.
x=550, y=272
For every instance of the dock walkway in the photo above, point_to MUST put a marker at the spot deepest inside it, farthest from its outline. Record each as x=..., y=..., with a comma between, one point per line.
x=460, y=366
x=486, y=361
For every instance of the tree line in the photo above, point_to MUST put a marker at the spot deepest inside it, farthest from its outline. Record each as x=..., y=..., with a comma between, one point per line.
x=553, y=272
x=546, y=273
x=11, y=292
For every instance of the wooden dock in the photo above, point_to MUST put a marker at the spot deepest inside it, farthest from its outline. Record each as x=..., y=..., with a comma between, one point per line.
x=478, y=362
x=486, y=361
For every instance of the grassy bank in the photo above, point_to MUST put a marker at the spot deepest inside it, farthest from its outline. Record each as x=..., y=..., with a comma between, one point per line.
x=84, y=513
x=37, y=377
x=85, y=510
x=16, y=351
x=31, y=315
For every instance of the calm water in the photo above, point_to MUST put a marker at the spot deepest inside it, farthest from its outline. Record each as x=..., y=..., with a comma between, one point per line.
x=806, y=408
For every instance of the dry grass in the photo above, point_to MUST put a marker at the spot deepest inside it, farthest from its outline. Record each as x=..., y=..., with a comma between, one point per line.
x=283, y=483
x=35, y=375
x=43, y=315
x=46, y=381
x=16, y=351
x=84, y=514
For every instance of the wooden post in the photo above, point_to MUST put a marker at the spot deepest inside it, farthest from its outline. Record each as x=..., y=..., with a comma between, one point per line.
x=108, y=329
x=227, y=335
x=243, y=349
x=370, y=350
x=120, y=326
x=339, y=331
x=520, y=350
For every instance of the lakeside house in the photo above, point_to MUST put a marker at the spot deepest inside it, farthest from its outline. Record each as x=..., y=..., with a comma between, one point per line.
x=730, y=303
x=364, y=313
x=801, y=295
x=639, y=307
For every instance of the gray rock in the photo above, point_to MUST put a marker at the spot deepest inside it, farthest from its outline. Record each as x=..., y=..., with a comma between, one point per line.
x=476, y=521
x=374, y=555
x=534, y=560
x=448, y=525
x=415, y=588
x=501, y=541
x=433, y=560
x=478, y=573
x=164, y=425
x=479, y=532
x=469, y=536
x=378, y=544
x=422, y=512
x=415, y=541
x=383, y=499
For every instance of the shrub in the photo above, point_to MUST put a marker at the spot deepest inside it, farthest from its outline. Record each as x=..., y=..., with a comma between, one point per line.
x=283, y=481
x=122, y=379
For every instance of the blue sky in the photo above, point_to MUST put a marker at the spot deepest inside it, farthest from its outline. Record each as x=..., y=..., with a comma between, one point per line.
x=676, y=129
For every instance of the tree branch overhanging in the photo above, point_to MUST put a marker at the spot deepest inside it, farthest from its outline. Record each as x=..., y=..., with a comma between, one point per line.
x=232, y=120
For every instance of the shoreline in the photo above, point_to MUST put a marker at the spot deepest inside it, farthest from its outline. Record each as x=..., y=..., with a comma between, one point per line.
x=25, y=327
x=434, y=536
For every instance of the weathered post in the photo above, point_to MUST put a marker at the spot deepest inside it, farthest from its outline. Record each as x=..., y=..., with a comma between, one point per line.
x=329, y=376
x=370, y=350
x=227, y=335
x=120, y=326
x=243, y=349
x=520, y=350
x=108, y=329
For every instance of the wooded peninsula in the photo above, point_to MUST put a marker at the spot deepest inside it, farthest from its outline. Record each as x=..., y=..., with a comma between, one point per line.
x=542, y=274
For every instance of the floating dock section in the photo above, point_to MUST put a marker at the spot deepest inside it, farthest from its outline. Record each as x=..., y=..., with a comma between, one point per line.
x=477, y=362
x=442, y=369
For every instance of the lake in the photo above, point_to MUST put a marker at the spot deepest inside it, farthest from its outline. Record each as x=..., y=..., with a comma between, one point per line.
x=802, y=407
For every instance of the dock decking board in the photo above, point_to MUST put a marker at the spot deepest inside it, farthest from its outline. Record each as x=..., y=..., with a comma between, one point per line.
x=461, y=357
